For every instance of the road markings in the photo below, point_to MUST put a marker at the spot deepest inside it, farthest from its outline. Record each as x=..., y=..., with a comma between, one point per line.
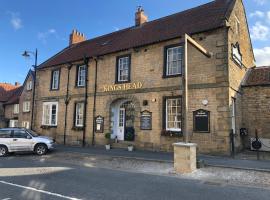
x=40, y=191
x=6, y=199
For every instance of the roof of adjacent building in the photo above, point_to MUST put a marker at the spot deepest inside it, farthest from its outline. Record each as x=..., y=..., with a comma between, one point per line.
x=199, y=19
x=15, y=96
x=6, y=91
x=258, y=76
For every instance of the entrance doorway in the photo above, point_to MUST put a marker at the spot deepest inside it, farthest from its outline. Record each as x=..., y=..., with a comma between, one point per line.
x=122, y=119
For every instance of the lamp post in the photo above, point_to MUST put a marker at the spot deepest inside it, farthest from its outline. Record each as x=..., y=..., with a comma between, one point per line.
x=26, y=54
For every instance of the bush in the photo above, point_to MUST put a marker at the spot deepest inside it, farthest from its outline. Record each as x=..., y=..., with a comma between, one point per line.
x=108, y=136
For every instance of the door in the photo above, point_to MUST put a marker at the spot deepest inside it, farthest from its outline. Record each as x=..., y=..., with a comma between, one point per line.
x=5, y=138
x=21, y=141
x=121, y=124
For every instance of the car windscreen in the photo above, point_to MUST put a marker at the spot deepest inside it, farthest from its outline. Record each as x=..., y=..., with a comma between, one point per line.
x=34, y=134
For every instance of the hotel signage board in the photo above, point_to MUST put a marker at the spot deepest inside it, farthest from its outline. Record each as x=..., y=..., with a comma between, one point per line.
x=146, y=120
x=201, y=121
x=99, y=125
x=122, y=87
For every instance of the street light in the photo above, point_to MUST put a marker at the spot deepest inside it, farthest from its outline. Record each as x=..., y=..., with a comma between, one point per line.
x=26, y=54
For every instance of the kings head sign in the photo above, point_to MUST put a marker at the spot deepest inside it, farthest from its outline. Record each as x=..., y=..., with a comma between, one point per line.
x=121, y=87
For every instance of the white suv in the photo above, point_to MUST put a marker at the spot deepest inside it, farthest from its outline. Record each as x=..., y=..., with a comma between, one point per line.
x=20, y=139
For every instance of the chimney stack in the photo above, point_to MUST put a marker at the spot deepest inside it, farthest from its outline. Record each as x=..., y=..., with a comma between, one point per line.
x=140, y=17
x=17, y=84
x=76, y=37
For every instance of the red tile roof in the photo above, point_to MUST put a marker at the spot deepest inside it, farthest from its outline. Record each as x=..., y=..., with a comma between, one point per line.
x=258, y=76
x=202, y=18
x=15, y=96
x=6, y=91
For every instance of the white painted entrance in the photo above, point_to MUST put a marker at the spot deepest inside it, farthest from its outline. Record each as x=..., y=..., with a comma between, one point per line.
x=122, y=118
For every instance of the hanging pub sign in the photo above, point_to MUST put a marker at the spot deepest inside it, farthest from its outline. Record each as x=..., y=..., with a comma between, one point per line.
x=201, y=121
x=146, y=120
x=99, y=125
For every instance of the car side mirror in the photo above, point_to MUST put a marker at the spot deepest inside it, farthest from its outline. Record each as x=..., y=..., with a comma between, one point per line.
x=28, y=137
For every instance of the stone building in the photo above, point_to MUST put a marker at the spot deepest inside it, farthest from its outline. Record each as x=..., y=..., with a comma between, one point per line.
x=138, y=83
x=17, y=104
x=256, y=103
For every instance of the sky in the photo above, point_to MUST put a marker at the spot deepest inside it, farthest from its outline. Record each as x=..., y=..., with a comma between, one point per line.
x=46, y=25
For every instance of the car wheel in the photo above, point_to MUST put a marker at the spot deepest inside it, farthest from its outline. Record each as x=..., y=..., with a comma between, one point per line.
x=3, y=151
x=41, y=149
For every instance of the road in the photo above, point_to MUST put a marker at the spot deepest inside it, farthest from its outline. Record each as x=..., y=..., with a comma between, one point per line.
x=35, y=178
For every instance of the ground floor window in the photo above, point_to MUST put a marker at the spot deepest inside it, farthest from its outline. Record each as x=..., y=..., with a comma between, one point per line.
x=50, y=110
x=79, y=110
x=13, y=123
x=26, y=124
x=173, y=112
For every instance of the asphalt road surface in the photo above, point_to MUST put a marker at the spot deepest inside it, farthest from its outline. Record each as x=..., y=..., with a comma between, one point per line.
x=26, y=177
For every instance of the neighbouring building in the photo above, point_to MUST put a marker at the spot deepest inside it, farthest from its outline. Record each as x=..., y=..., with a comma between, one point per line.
x=17, y=103
x=130, y=82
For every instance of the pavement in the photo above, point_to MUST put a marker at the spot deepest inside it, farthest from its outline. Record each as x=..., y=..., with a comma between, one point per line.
x=82, y=176
x=213, y=161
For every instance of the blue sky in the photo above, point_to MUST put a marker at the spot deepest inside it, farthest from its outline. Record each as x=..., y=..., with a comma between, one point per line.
x=46, y=25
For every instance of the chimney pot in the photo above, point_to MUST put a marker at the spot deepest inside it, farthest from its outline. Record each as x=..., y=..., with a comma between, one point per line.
x=140, y=17
x=76, y=37
x=17, y=84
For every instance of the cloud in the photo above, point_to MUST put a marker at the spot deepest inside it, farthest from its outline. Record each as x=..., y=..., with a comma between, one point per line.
x=262, y=56
x=15, y=20
x=260, y=32
x=43, y=36
x=116, y=28
x=261, y=2
x=257, y=13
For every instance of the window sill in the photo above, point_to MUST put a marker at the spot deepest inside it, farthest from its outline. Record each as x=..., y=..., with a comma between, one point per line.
x=171, y=76
x=76, y=128
x=26, y=111
x=172, y=133
x=47, y=126
x=77, y=86
x=122, y=82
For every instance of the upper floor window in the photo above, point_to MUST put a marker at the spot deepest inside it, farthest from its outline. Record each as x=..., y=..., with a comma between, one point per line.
x=50, y=113
x=123, y=69
x=26, y=124
x=81, y=74
x=16, y=108
x=29, y=85
x=55, y=80
x=236, y=53
x=237, y=25
x=26, y=106
x=173, y=60
x=79, y=110
x=173, y=109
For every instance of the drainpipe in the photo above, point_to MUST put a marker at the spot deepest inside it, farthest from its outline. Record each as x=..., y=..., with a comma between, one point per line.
x=66, y=103
x=95, y=96
x=185, y=91
x=86, y=60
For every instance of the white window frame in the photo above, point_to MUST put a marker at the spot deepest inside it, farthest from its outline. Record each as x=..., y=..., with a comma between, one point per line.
x=29, y=85
x=79, y=114
x=55, y=79
x=26, y=106
x=13, y=123
x=123, y=69
x=237, y=25
x=16, y=109
x=175, y=120
x=26, y=124
x=170, y=59
x=236, y=54
x=81, y=76
x=47, y=114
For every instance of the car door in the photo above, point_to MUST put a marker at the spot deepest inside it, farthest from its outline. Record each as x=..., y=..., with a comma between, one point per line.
x=5, y=138
x=22, y=141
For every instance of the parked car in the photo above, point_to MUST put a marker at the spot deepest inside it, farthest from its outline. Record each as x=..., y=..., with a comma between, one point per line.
x=23, y=140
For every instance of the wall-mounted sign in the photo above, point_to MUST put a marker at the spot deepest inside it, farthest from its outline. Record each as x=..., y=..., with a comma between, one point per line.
x=99, y=125
x=120, y=87
x=201, y=121
x=146, y=120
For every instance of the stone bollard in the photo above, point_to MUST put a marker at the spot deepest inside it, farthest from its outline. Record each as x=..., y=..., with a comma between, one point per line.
x=185, y=157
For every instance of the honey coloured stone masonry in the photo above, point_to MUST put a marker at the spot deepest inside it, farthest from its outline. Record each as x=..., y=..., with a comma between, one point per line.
x=121, y=76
